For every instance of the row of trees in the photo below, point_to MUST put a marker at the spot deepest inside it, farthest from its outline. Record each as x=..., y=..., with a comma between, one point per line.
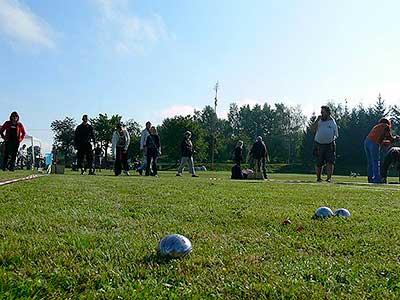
x=285, y=129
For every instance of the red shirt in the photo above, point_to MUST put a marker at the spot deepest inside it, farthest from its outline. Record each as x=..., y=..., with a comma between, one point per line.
x=379, y=133
x=7, y=128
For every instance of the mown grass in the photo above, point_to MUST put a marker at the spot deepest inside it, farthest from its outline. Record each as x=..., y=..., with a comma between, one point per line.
x=71, y=236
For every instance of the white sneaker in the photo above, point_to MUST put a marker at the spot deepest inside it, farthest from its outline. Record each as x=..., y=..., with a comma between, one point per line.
x=127, y=173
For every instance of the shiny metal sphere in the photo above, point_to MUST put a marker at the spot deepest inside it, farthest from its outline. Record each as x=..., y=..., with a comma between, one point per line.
x=323, y=212
x=342, y=212
x=174, y=246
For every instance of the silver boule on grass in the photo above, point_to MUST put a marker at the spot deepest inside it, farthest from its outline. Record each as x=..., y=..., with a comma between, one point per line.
x=174, y=246
x=342, y=212
x=323, y=212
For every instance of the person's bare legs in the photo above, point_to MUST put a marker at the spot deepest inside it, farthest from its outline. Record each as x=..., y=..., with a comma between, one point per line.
x=329, y=171
x=318, y=170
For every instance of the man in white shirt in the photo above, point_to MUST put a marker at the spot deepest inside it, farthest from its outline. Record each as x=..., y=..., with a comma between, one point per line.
x=326, y=133
x=143, y=138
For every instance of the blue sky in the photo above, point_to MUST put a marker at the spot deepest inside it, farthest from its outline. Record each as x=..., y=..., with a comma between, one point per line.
x=151, y=59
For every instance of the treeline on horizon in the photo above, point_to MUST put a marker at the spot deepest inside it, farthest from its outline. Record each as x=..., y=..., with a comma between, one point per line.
x=285, y=129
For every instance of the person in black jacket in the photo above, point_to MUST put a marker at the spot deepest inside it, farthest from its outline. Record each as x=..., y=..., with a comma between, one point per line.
x=84, y=136
x=187, y=155
x=259, y=153
x=238, y=153
x=237, y=158
x=153, y=150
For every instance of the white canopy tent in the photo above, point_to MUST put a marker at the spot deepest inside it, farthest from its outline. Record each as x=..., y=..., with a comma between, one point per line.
x=30, y=140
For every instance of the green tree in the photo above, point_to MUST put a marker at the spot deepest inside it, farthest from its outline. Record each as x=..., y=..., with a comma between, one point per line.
x=104, y=127
x=171, y=134
x=64, y=133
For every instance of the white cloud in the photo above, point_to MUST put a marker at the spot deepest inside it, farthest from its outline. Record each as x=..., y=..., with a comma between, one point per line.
x=177, y=110
x=19, y=23
x=127, y=32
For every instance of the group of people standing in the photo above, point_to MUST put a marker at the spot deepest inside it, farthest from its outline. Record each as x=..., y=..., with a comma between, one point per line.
x=325, y=128
x=377, y=141
x=150, y=146
x=258, y=154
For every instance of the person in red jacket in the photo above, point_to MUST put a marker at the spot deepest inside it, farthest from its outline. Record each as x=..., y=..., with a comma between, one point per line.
x=13, y=132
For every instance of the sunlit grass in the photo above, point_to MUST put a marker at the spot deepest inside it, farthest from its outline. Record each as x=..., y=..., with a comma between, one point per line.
x=71, y=236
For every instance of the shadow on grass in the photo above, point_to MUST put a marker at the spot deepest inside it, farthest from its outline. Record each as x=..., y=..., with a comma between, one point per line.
x=157, y=258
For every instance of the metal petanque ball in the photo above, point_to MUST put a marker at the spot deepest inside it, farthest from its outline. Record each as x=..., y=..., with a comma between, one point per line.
x=342, y=212
x=175, y=246
x=323, y=212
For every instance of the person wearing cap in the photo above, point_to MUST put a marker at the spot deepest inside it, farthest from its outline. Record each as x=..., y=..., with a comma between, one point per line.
x=143, y=138
x=326, y=133
x=120, y=145
x=187, y=155
x=378, y=136
x=84, y=136
x=13, y=133
x=153, y=148
x=392, y=157
x=259, y=152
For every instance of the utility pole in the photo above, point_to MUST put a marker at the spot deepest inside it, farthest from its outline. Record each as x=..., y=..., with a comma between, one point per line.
x=214, y=125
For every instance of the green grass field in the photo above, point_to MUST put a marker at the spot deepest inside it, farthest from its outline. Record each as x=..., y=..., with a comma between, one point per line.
x=95, y=237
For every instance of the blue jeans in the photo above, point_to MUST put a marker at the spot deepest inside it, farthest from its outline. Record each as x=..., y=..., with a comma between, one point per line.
x=372, y=152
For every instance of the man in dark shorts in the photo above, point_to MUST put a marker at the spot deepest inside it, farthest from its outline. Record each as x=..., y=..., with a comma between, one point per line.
x=391, y=157
x=326, y=133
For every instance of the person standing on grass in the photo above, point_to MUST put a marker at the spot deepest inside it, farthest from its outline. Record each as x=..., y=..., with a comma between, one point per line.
x=120, y=144
x=98, y=154
x=84, y=136
x=378, y=136
x=238, y=153
x=326, y=133
x=22, y=155
x=259, y=152
x=143, y=138
x=187, y=154
x=13, y=133
x=153, y=148
x=392, y=157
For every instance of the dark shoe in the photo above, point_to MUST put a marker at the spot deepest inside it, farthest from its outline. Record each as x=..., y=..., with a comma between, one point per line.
x=140, y=172
x=328, y=180
x=319, y=180
x=82, y=171
x=194, y=175
x=179, y=174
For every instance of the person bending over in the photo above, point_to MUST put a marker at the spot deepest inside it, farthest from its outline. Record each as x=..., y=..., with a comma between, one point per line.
x=379, y=134
x=392, y=157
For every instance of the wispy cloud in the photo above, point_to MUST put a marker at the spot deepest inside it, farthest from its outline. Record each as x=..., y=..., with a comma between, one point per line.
x=20, y=24
x=126, y=31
